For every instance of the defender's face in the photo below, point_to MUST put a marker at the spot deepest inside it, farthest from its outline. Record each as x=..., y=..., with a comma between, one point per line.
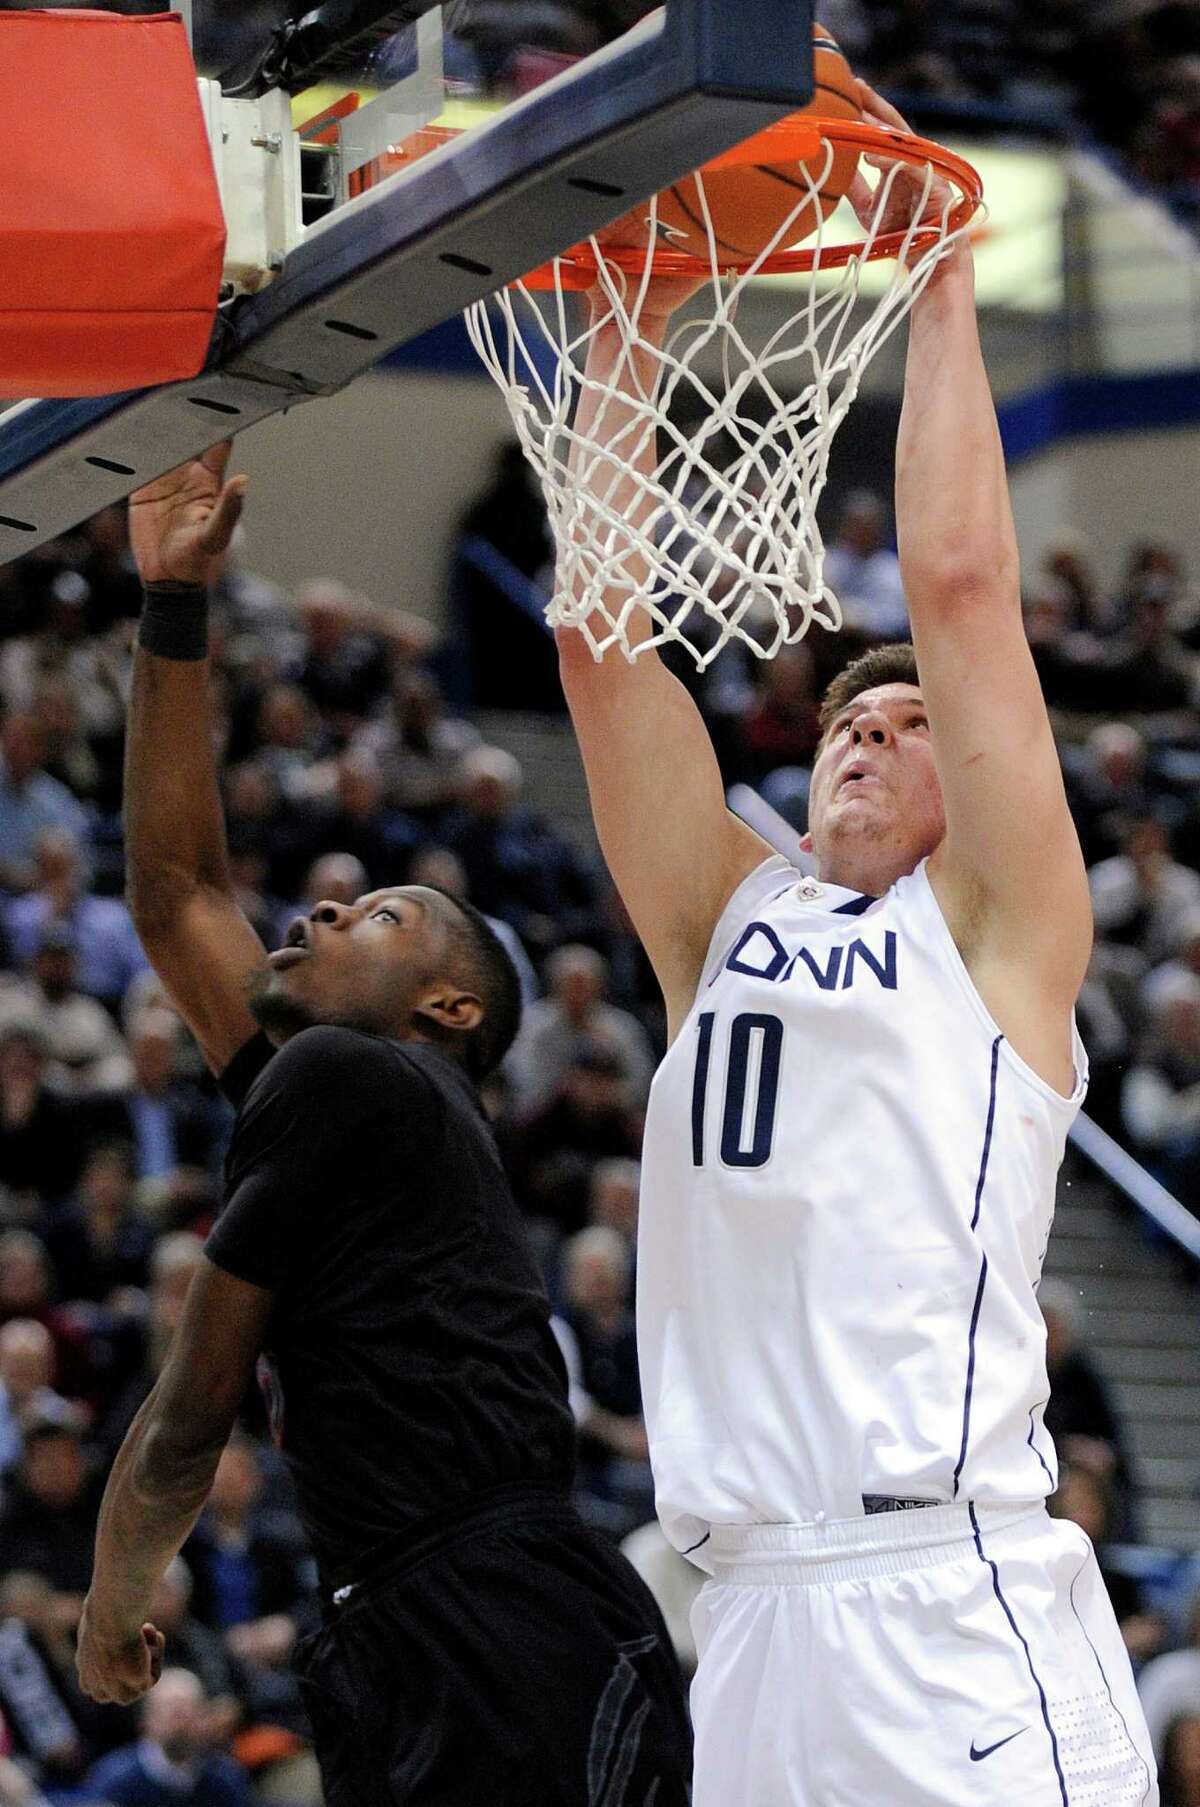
x=875, y=805
x=365, y=965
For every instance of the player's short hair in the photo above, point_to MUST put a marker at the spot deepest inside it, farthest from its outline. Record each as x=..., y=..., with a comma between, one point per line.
x=893, y=664
x=489, y=971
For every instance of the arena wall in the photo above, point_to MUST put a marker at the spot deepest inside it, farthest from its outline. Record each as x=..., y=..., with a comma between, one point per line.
x=368, y=485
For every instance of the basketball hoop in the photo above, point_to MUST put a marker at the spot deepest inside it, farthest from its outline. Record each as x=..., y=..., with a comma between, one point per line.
x=722, y=459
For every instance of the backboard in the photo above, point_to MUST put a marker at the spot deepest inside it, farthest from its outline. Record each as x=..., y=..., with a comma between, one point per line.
x=562, y=133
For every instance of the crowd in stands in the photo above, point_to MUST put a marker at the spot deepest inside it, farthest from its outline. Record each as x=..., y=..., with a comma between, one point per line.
x=346, y=767
x=1127, y=71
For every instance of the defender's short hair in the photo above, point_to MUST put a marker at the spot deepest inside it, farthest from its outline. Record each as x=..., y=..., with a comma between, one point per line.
x=893, y=664
x=490, y=972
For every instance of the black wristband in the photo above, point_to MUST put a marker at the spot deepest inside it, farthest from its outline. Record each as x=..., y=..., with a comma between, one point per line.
x=174, y=622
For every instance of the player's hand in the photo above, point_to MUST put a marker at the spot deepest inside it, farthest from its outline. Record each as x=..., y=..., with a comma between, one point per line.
x=180, y=524
x=117, y=1670
x=908, y=200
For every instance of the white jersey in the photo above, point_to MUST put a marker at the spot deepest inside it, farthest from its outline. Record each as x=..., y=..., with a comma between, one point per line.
x=847, y=1191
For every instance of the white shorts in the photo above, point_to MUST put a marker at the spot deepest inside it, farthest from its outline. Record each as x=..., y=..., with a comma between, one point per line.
x=953, y=1656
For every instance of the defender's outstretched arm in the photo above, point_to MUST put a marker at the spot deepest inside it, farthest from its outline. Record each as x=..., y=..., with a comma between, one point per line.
x=178, y=885
x=675, y=851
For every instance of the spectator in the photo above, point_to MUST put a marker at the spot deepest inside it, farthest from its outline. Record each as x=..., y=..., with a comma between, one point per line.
x=1169, y=154
x=360, y=822
x=48, y=1520
x=80, y=1035
x=251, y=1577
x=173, y=1764
x=864, y=573
x=555, y=1150
x=27, y=1291
x=288, y=735
x=26, y=1384
x=613, y=1198
x=190, y=1645
x=45, y=1715
x=99, y=1244
x=572, y=1013
x=518, y=866
x=1084, y=1497
x=1153, y=673
x=167, y=1119
x=41, y=1132
x=782, y=727
x=1108, y=785
x=68, y=757
x=109, y=953
x=30, y=800
x=502, y=551
x=614, y=1458
x=1080, y=1415
x=112, y=590
x=1169, y=1685
x=345, y=670
x=1180, y=1777
x=172, y=1264
x=1171, y=977
x=1066, y=561
x=1161, y=1096
x=1069, y=665
x=419, y=747
x=253, y=1583
x=1142, y=896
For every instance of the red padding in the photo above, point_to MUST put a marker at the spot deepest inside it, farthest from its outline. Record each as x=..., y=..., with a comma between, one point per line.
x=112, y=234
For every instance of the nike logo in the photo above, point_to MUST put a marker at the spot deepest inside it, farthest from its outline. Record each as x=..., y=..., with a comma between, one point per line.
x=978, y=1756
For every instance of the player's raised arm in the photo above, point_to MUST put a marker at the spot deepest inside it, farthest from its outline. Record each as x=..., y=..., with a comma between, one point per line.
x=675, y=851
x=200, y=943
x=1009, y=875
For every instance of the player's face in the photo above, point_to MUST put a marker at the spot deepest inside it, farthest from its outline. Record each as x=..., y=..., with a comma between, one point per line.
x=376, y=964
x=875, y=806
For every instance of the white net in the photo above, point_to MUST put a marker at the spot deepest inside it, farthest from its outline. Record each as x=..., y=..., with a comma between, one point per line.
x=686, y=511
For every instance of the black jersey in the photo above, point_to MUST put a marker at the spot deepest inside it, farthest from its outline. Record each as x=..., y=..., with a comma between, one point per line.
x=412, y=1366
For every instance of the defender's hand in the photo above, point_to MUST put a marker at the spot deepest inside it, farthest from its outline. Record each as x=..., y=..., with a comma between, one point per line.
x=180, y=524
x=118, y=1670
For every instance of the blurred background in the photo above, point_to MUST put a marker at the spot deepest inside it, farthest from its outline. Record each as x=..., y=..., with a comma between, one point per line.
x=390, y=711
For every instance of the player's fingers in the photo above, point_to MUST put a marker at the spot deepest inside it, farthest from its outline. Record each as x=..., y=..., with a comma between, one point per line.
x=876, y=107
x=156, y=1644
x=861, y=197
x=217, y=458
x=218, y=529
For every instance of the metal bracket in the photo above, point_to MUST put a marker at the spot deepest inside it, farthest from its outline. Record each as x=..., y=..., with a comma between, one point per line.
x=447, y=231
x=400, y=111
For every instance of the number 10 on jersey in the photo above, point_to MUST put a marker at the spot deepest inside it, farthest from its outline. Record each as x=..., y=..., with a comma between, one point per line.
x=753, y=1058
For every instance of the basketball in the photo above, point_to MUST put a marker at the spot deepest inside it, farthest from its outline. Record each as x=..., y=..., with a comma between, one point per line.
x=750, y=203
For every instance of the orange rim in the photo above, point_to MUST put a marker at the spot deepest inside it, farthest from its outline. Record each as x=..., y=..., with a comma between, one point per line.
x=794, y=139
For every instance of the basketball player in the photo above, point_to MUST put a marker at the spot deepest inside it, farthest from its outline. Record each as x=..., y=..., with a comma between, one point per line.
x=480, y=1644
x=849, y=1172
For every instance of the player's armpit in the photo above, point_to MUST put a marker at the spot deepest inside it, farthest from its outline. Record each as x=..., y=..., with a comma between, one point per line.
x=675, y=852
x=207, y=956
